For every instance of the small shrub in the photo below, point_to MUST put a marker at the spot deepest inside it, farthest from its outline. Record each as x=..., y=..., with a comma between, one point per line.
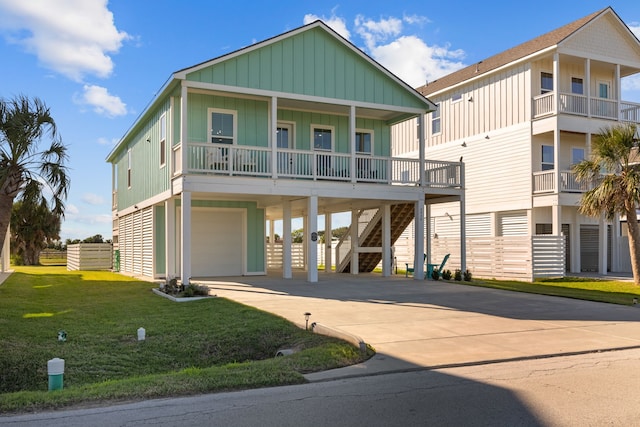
x=194, y=290
x=467, y=276
x=446, y=275
x=435, y=275
x=171, y=287
x=457, y=275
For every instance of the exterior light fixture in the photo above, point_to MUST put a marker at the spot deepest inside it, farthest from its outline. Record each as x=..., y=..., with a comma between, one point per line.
x=306, y=320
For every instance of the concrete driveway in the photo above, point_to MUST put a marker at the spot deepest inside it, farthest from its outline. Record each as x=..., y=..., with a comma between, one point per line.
x=418, y=324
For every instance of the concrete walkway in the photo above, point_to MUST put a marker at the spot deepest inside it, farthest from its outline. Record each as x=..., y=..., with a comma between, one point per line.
x=428, y=324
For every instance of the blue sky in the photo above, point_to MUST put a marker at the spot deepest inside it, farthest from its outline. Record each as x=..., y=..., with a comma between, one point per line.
x=97, y=64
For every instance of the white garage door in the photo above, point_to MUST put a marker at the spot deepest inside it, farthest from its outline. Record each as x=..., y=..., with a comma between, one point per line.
x=216, y=242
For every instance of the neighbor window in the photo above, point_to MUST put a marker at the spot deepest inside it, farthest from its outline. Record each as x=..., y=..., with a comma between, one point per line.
x=546, y=82
x=435, y=120
x=577, y=155
x=603, y=90
x=223, y=126
x=364, y=142
x=457, y=97
x=577, y=86
x=163, y=139
x=547, y=158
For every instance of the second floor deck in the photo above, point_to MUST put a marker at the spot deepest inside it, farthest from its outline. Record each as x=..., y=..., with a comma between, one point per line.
x=569, y=103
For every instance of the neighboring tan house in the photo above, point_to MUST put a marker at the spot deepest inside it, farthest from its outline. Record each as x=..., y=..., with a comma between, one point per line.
x=519, y=120
x=298, y=125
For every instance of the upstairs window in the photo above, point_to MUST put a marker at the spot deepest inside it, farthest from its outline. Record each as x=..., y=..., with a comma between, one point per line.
x=457, y=97
x=547, y=158
x=322, y=138
x=435, y=120
x=163, y=139
x=603, y=90
x=577, y=86
x=129, y=168
x=577, y=155
x=223, y=126
x=546, y=82
x=364, y=142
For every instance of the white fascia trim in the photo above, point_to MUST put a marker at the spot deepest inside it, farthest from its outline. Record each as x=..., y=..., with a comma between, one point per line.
x=165, y=195
x=286, y=95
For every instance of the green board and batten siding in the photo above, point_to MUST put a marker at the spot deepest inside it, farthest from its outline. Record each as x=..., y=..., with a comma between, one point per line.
x=311, y=63
x=148, y=178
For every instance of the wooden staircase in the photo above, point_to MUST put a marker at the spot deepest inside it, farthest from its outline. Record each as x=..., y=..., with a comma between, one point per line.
x=401, y=216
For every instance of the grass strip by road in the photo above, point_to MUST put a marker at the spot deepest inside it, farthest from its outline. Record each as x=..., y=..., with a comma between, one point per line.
x=194, y=347
x=590, y=289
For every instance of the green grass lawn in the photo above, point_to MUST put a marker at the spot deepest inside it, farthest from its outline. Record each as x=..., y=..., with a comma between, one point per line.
x=611, y=291
x=193, y=347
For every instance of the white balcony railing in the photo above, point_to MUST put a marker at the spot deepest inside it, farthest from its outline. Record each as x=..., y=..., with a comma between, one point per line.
x=239, y=160
x=545, y=182
x=570, y=103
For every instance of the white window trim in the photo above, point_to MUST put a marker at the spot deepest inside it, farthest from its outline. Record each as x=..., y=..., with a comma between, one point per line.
x=163, y=139
x=370, y=132
x=542, y=162
x=439, y=118
x=333, y=137
x=234, y=113
x=292, y=126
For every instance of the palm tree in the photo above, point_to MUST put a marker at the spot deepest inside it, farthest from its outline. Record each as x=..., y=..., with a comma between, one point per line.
x=24, y=169
x=614, y=167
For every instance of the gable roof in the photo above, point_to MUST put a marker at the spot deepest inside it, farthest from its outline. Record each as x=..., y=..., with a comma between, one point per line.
x=545, y=41
x=189, y=72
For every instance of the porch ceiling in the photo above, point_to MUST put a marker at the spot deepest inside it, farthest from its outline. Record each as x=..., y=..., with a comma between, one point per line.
x=372, y=113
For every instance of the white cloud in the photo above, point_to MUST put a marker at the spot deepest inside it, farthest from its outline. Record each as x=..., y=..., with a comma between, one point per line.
x=635, y=28
x=71, y=210
x=102, y=101
x=390, y=41
x=72, y=37
x=374, y=32
x=110, y=142
x=92, y=199
x=415, y=62
x=336, y=23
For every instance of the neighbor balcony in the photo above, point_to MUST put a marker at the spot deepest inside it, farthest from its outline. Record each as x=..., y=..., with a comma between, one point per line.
x=259, y=162
x=544, y=182
x=569, y=103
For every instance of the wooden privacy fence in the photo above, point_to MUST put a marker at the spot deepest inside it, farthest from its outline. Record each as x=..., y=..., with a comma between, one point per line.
x=89, y=256
x=508, y=257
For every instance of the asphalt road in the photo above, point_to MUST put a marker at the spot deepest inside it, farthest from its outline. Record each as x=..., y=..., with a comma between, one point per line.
x=599, y=389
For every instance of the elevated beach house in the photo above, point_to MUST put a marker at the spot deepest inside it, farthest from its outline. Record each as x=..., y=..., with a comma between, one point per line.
x=520, y=120
x=296, y=126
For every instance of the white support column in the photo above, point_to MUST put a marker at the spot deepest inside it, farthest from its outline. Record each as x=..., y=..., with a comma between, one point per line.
x=463, y=234
x=387, y=261
x=286, y=239
x=352, y=142
x=587, y=85
x=556, y=219
x=421, y=150
x=328, y=235
x=418, y=256
x=170, y=238
x=305, y=240
x=355, y=244
x=602, y=250
x=312, y=240
x=184, y=134
x=273, y=136
x=618, y=90
x=185, y=233
x=556, y=84
x=428, y=231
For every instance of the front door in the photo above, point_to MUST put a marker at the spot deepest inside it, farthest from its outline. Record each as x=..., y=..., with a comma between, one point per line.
x=284, y=139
